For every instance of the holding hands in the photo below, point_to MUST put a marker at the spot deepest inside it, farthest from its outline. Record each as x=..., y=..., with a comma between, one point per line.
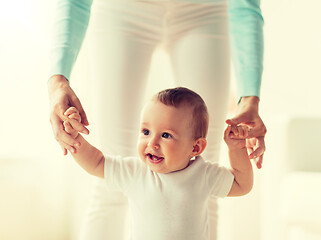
x=235, y=136
x=61, y=96
x=68, y=118
x=248, y=115
x=74, y=119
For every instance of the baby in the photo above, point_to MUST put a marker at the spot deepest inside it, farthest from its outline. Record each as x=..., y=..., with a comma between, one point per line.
x=169, y=185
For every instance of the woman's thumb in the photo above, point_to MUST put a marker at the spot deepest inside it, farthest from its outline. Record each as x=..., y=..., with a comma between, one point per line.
x=236, y=120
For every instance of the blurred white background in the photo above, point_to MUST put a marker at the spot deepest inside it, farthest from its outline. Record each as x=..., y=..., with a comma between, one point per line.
x=44, y=195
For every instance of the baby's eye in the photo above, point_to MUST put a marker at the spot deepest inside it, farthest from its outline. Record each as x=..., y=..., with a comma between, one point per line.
x=166, y=135
x=145, y=131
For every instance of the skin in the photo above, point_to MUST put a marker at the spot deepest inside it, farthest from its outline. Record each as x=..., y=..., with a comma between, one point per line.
x=166, y=135
x=240, y=163
x=247, y=114
x=166, y=132
x=61, y=97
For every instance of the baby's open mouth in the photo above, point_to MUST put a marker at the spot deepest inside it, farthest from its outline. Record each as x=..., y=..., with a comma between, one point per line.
x=154, y=159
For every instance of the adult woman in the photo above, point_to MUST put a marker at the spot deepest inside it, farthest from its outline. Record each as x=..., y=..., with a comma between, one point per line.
x=123, y=36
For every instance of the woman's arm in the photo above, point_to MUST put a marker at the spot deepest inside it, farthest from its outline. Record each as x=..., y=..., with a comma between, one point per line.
x=61, y=96
x=246, y=31
x=70, y=26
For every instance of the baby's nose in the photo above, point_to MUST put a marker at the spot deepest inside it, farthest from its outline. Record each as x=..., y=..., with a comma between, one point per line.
x=153, y=143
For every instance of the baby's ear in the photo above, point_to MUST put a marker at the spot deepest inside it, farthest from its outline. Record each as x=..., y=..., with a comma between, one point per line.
x=199, y=146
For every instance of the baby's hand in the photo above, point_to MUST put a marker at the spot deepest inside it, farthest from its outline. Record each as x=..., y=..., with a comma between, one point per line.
x=234, y=136
x=73, y=119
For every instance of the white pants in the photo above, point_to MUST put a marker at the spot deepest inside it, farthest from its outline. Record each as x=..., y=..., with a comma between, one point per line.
x=123, y=36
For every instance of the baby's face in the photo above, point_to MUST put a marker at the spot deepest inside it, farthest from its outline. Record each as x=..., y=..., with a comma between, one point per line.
x=166, y=139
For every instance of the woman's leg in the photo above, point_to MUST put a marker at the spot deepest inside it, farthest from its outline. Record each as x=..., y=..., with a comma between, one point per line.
x=198, y=45
x=121, y=47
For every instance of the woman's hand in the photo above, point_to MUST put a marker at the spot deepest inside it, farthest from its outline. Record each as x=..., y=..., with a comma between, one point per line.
x=61, y=97
x=248, y=114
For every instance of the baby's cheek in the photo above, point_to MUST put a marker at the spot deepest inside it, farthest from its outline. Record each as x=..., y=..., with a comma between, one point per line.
x=140, y=148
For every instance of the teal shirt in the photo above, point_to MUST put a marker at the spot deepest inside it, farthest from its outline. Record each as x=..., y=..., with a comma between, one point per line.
x=246, y=33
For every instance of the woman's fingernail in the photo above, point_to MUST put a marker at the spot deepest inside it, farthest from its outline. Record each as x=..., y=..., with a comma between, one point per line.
x=77, y=144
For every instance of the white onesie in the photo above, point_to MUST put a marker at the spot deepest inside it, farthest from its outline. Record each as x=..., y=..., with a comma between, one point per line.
x=168, y=206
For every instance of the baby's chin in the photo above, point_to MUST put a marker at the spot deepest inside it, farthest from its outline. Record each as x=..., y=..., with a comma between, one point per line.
x=158, y=168
x=163, y=170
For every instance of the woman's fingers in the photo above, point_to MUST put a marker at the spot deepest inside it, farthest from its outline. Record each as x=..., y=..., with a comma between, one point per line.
x=60, y=134
x=259, y=161
x=257, y=155
x=67, y=147
x=256, y=148
x=259, y=149
x=258, y=130
x=64, y=150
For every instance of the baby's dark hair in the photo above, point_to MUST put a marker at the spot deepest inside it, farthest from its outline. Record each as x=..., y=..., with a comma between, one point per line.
x=180, y=95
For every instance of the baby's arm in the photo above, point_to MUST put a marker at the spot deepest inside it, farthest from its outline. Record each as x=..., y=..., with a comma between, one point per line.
x=241, y=166
x=86, y=155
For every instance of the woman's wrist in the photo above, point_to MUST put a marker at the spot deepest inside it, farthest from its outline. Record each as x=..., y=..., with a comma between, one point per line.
x=251, y=102
x=57, y=82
